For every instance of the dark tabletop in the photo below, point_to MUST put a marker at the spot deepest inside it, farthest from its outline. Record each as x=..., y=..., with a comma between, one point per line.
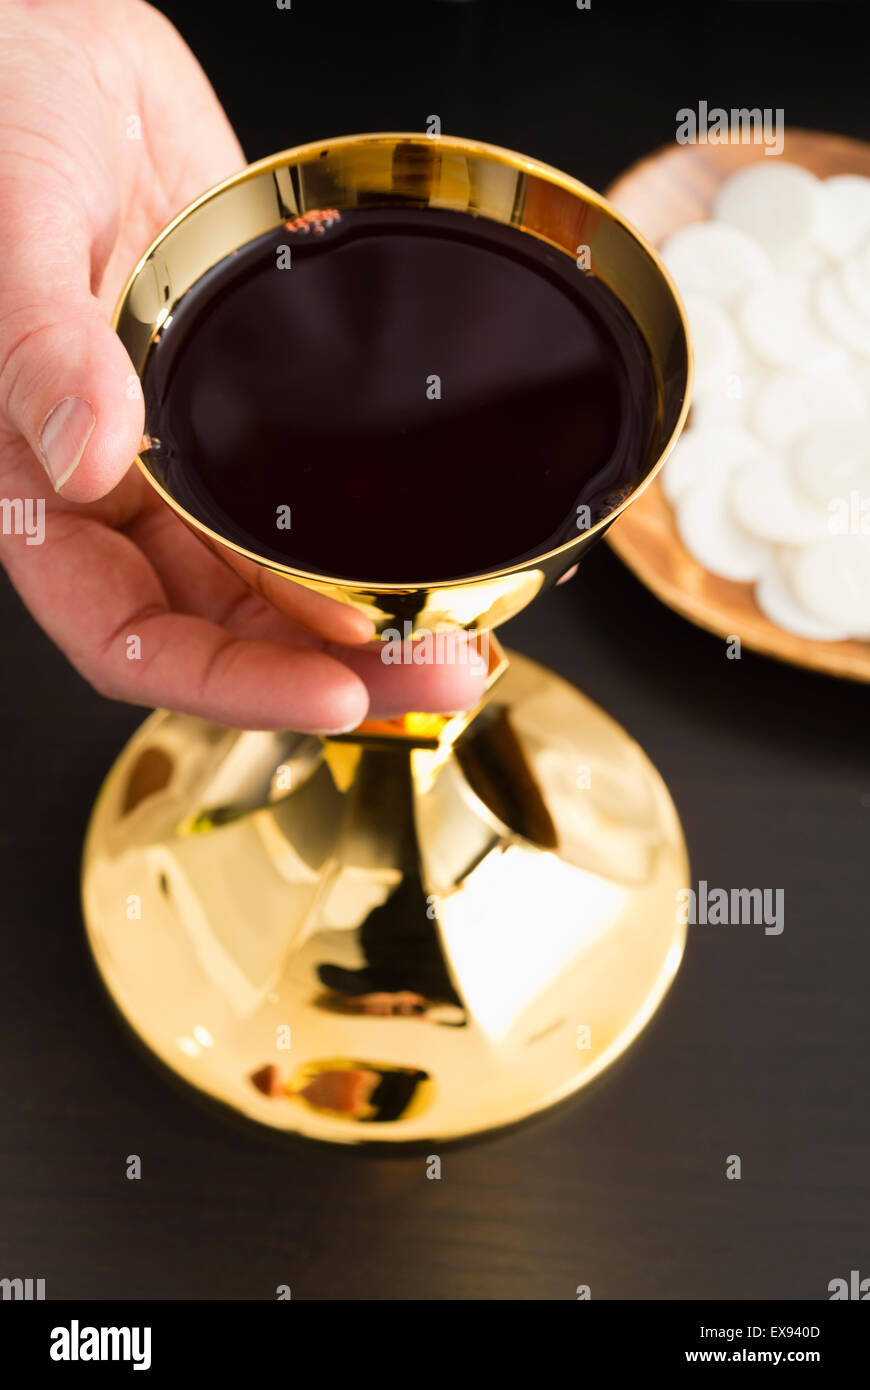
x=761, y=1047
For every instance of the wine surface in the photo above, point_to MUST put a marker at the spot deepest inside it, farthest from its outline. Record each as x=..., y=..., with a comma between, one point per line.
x=399, y=396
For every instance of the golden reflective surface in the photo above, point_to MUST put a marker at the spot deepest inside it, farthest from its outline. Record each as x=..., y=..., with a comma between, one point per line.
x=414, y=171
x=436, y=925
x=383, y=944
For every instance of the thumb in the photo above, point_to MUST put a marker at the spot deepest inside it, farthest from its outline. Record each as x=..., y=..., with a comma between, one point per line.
x=66, y=382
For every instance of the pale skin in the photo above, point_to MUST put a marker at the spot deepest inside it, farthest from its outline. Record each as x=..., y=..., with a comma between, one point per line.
x=83, y=191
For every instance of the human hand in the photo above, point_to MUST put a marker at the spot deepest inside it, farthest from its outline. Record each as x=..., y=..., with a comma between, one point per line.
x=108, y=127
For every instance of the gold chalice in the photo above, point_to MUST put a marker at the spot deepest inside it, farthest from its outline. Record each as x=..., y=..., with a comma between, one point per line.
x=433, y=926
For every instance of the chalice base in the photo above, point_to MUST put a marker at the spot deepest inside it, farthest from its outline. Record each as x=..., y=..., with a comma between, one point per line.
x=382, y=943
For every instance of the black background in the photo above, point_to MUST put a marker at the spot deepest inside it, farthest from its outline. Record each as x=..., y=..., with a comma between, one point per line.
x=761, y=1047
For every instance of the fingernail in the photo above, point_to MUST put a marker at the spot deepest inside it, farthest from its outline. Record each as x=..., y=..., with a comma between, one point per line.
x=63, y=438
x=339, y=729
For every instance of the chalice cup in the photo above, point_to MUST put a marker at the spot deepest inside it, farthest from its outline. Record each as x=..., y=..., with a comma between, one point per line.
x=433, y=926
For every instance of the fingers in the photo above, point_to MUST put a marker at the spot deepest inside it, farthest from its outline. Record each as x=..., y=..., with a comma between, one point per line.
x=452, y=679
x=86, y=179
x=97, y=597
x=196, y=580
x=330, y=618
x=181, y=104
x=66, y=384
x=196, y=667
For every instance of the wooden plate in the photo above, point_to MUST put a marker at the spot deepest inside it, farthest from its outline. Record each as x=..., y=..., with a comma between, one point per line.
x=659, y=194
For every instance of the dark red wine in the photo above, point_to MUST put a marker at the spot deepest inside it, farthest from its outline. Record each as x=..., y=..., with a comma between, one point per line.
x=418, y=396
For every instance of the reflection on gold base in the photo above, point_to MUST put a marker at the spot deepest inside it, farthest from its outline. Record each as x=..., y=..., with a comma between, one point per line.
x=381, y=942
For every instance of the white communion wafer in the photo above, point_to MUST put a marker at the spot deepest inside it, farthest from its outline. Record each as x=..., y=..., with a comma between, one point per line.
x=714, y=539
x=831, y=578
x=845, y=214
x=767, y=504
x=715, y=343
x=855, y=279
x=839, y=397
x=778, y=205
x=715, y=260
x=861, y=373
x=771, y=481
x=805, y=261
x=777, y=324
x=701, y=455
x=781, y=410
x=777, y=601
x=839, y=315
x=728, y=404
x=788, y=404
x=832, y=462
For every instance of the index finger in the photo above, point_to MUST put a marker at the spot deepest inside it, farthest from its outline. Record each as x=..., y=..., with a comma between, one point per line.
x=96, y=595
